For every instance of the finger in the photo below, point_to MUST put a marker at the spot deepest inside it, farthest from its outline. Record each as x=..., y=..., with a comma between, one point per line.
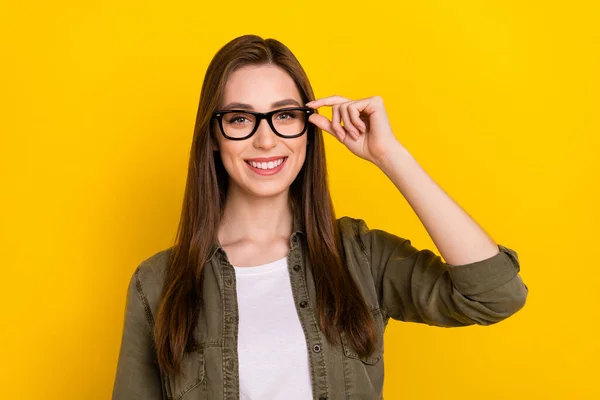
x=366, y=106
x=347, y=122
x=335, y=123
x=355, y=117
x=322, y=122
x=327, y=101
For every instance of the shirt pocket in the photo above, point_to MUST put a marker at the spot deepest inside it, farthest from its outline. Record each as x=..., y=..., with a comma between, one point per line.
x=190, y=378
x=377, y=354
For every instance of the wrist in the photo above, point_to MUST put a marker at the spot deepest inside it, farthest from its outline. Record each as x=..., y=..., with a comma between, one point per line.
x=394, y=153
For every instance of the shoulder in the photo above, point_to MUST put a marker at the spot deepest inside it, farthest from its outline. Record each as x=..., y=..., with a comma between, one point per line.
x=358, y=230
x=374, y=243
x=352, y=228
x=349, y=226
x=365, y=251
x=149, y=277
x=353, y=233
x=152, y=269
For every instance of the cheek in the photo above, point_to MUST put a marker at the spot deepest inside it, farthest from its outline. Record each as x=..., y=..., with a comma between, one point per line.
x=229, y=153
x=300, y=149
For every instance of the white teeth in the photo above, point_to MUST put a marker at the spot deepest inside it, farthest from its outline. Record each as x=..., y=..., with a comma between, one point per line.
x=265, y=165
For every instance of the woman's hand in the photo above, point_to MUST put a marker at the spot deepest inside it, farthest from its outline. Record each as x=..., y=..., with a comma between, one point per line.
x=366, y=131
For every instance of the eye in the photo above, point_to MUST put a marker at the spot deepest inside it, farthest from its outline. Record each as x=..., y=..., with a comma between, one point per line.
x=237, y=119
x=287, y=115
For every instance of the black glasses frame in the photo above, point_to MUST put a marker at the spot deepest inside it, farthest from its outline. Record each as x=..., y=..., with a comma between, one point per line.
x=218, y=115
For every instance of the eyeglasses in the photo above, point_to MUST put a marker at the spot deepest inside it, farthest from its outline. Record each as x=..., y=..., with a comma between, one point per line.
x=241, y=124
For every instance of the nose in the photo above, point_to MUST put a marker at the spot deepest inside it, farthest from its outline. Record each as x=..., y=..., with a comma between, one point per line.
x=264, y=137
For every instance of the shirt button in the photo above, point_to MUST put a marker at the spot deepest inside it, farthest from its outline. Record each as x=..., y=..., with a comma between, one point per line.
x=316, y=348
x=303, y=304
x=296, y=268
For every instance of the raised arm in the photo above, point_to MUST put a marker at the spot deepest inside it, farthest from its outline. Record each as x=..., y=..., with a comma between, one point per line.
x=479, y=285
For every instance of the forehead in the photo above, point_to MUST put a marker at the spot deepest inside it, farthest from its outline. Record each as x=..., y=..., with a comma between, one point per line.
x=259, y=86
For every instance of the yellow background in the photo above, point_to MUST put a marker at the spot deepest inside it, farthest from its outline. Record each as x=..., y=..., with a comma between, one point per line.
x=498, y=101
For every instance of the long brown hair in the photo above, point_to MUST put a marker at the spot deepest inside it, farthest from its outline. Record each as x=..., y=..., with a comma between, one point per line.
x=339, y=302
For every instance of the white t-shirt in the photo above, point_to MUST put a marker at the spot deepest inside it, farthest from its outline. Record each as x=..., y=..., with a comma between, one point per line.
x=272, y=351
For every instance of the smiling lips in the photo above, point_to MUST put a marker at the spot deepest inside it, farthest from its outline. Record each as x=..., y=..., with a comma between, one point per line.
x=266, y=166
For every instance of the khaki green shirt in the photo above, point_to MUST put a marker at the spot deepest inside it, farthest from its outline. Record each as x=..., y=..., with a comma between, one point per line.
x=397, y=281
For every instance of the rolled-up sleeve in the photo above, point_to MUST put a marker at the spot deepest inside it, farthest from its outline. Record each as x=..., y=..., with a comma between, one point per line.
x=418, y=286
x=137, y=375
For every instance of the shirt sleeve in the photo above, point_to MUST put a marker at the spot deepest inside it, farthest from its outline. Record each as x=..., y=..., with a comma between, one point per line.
x=137, y=375
x=417, y=286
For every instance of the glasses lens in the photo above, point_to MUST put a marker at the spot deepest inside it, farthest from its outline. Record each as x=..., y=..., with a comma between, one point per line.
x=238, y=124
x=290, y=122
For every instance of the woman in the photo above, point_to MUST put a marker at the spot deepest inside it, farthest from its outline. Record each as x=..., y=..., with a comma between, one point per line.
x=266, y=294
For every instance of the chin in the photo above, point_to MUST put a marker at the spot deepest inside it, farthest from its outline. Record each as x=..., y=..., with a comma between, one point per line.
x=267, y=189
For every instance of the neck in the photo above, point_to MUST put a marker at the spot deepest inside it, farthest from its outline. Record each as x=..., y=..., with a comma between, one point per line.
x=250, y=217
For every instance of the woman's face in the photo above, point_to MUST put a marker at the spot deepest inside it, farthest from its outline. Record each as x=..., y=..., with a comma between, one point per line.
x=262, y=88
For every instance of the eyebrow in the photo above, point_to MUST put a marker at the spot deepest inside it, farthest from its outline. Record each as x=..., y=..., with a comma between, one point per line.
x=244, y=106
